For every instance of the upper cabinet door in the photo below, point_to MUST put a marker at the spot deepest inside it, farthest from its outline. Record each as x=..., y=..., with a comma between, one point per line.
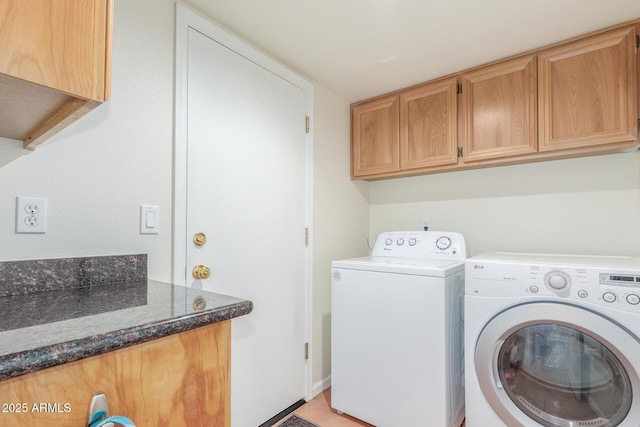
x=59, y=44
x=588, y=92
x=374, y=139
x=428, y=125
x=499, y=110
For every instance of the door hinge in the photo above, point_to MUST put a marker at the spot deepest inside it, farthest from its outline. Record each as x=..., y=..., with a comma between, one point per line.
x=459, y=151
x=306, y=123
x=306, y=237
x=459, y=88
x=306, y=351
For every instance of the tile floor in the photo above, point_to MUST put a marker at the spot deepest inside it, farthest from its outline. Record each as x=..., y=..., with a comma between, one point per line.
x=319, y=411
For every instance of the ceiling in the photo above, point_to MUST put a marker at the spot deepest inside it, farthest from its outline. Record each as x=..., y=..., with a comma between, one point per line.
x=362, y=48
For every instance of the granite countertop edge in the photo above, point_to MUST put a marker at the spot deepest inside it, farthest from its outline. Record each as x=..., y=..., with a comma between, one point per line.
x=25, y=362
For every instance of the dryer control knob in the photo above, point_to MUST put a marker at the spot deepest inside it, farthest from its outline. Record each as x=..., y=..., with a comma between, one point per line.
x=557, y=281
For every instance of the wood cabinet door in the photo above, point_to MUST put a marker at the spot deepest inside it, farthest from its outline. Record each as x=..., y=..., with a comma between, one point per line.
x=59, y=44
x=498, y=110
x=178, y=380
x=374, y=137
x=588, y=92
x=428, y=125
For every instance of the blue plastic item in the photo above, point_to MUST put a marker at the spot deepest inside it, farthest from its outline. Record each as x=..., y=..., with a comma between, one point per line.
x=116, y=419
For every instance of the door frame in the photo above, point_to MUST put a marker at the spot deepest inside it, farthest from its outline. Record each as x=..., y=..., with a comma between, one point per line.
x=186, y=19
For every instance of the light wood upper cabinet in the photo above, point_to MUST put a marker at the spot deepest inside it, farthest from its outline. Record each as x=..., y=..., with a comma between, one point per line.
x=499, y=110
x=374, y=137
x=55, y=62
x=577, y=98
x=588, y=92
x=428, y=125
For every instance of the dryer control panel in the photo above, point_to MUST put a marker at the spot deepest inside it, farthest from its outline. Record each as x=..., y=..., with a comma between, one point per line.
x=606, y=281
x=421, y=245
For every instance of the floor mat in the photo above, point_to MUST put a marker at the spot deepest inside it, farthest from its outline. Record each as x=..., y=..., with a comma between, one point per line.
x=296, y=421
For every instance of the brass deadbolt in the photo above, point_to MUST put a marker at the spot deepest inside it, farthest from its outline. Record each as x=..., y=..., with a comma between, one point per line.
x=201, y=272
x=199, y=239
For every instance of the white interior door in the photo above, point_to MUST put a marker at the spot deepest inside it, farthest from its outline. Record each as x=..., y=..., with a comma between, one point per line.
x=246, y=189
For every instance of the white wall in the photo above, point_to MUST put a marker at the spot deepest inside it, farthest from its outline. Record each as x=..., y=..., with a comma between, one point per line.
x=98, y=171
x=588, y=205
x=340, y=216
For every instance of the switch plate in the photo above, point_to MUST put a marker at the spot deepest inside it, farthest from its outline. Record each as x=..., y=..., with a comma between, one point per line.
x=149, y=219
x=31, y=215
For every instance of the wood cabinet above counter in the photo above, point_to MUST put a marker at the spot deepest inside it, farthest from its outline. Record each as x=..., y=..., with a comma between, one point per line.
x=55, y=64
x=571, y=99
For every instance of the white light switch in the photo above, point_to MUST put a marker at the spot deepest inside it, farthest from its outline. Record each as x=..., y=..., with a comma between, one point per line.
x=149, y=219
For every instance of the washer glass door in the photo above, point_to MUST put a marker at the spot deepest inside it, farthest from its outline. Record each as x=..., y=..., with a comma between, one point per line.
x=558, y=365
x=560, y=376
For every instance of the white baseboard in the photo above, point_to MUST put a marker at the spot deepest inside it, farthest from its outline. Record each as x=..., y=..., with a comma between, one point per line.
x=320, y=386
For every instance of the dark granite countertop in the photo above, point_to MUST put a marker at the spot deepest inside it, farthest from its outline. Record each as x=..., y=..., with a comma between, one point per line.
x=46, y=329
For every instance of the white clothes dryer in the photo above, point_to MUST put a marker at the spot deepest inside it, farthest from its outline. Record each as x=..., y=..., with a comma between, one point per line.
x=552, y=340
x=397, y=332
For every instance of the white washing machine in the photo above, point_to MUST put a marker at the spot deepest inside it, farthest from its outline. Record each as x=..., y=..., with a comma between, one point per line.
x=552, y=340
x=397, y=332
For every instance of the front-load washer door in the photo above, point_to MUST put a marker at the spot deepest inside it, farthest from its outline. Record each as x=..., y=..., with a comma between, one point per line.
x=559, y=365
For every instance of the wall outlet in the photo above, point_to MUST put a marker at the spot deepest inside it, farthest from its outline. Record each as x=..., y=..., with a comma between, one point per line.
x=31, y=214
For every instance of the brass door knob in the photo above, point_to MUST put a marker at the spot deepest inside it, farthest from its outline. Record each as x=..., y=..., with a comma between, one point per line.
x=199, y=239
x=201, y=272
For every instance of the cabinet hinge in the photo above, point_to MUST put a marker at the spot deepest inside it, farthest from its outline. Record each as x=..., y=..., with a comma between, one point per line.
x=459, y=151
x=306, y=124
x=459, y=88
x=306, y=237
x=637, y=41
x=306, y=351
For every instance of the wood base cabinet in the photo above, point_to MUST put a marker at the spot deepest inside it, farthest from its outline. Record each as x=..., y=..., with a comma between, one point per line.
x=182, y=380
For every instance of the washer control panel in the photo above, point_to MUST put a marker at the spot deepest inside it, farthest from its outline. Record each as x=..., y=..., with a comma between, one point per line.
x=614, y=285
x=557, y=281
x=420, y=245
x=620, y=285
